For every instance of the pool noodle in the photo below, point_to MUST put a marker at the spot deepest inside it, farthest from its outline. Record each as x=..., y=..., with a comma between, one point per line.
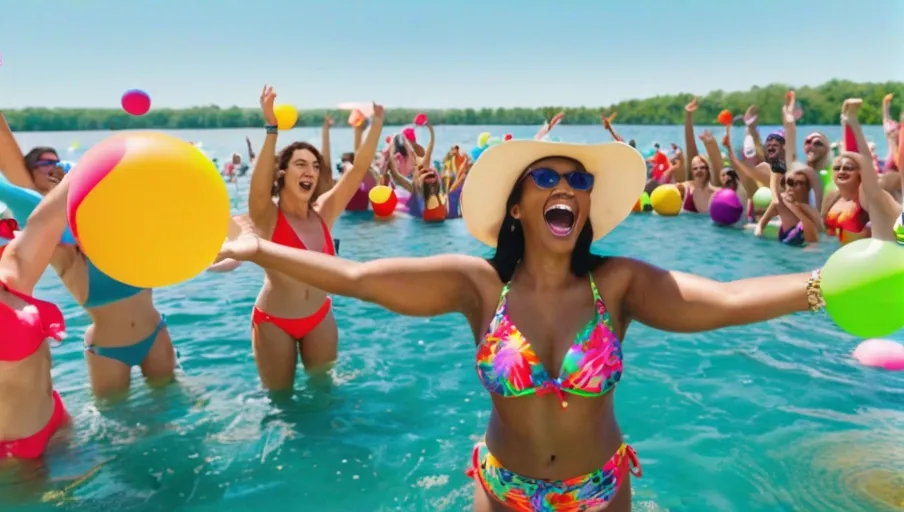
x=22, y=202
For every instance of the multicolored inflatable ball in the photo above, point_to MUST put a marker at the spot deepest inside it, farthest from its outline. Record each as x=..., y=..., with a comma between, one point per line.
x=148, y=209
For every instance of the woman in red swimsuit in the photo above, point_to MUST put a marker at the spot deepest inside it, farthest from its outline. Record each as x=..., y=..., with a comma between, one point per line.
x=548, y=317
x=31, y=412
x=290, y=312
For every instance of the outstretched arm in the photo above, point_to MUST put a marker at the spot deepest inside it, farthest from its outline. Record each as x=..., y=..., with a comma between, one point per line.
x=12, y=165
x=679, y=302
x=428, y=286
x=26, y=258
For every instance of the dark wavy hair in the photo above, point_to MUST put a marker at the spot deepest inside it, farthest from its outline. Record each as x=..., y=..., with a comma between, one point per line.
x=32, y=157
x=282, y=163
x=510, y=242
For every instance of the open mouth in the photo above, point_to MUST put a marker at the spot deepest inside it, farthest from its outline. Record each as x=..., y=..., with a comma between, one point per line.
x=560, y=219
x=53, y=179
x=306, y=185
x=771, y=152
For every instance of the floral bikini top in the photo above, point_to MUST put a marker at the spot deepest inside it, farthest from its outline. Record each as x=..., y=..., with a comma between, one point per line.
x=508, y=366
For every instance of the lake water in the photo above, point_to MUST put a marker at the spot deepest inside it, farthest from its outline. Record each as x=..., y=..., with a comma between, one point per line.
x=769, y=417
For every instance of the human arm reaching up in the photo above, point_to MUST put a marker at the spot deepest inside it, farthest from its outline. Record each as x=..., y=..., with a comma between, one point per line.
x=331, y=204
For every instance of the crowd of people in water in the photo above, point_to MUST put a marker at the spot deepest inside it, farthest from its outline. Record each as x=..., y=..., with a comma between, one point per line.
x=548, y=317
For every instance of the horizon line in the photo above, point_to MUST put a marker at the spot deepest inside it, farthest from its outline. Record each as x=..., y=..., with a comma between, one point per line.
x=310, y=109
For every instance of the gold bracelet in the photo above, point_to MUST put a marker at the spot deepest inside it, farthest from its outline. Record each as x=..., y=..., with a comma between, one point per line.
x=814, y=291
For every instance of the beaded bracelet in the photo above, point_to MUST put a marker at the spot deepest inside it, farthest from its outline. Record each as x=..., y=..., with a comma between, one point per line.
x=814, y=291
x=271, y=129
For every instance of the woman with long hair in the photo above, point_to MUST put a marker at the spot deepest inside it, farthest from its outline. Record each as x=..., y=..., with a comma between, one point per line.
x=548, y=317
x=292, y=204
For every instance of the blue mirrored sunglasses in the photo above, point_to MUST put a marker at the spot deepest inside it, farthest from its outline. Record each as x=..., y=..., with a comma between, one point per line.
x=581, y=181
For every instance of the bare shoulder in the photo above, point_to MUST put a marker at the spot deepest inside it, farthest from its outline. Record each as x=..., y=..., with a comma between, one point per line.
x=615, y=274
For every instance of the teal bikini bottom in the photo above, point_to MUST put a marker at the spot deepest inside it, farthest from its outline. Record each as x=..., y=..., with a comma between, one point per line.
x=130, y=355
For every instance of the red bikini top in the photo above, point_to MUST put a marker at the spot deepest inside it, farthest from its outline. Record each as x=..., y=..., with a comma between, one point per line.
x=24, y=330
x=284, y=234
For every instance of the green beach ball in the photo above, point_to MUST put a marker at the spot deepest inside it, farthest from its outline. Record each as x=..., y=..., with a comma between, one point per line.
x=863, y=287
x=762, y=198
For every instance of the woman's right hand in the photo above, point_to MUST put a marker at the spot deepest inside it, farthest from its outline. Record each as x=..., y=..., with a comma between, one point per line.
x=692, y=106
x=850, y=110
x=267, y=99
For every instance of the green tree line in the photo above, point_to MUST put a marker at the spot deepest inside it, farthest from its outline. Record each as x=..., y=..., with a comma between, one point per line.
x=821, y=105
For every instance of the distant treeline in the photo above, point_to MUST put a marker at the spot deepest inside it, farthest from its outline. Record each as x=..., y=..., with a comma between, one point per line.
x=821, y=106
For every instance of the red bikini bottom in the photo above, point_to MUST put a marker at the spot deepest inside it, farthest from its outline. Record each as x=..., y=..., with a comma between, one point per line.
x=297, y=328
x=33, y=446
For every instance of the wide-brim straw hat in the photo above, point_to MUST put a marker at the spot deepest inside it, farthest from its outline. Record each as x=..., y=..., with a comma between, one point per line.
x=619, y=172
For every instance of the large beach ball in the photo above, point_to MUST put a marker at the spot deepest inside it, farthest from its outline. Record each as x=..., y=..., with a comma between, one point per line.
x=148, y=209
x=136, y=102
x=666, y=200
x=725, y=207
x=862, y=286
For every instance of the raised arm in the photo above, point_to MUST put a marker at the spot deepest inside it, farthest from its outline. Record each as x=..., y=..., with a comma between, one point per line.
x=882, y=207
x=548, y=126
x=393, y=162
x=751, y=118
x=715, y=157
x=690, y=143
x=261, y=208
x=331, y=204
x=607, y=124
x=427, y=160
x=678, y=302
x=250, y=150
x=12, y=163
x=325, y=148
x=745, y=173
x=26, y=258
x=359, y=136
x=428, y=286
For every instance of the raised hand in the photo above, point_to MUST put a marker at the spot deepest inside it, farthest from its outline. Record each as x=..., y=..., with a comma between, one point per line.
x=692, y=106
x=328, y=120
x=268, y=96
x=788, y=108
x=751, y=116
x=726, y=140
x=707, y=136
x=607, y=120
x=556, y=119
x=850, y=109
x=379, y=112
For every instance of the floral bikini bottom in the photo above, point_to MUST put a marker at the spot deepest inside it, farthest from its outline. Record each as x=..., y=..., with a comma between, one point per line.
x=581, y=493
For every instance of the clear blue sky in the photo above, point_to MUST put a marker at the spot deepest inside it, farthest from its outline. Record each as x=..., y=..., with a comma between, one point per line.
x=421, y=53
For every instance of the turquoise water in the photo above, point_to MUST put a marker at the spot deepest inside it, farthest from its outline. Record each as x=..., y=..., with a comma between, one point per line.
x=770, y=417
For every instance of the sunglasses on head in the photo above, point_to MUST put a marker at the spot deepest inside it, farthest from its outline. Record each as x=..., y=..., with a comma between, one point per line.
x=581, y=181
